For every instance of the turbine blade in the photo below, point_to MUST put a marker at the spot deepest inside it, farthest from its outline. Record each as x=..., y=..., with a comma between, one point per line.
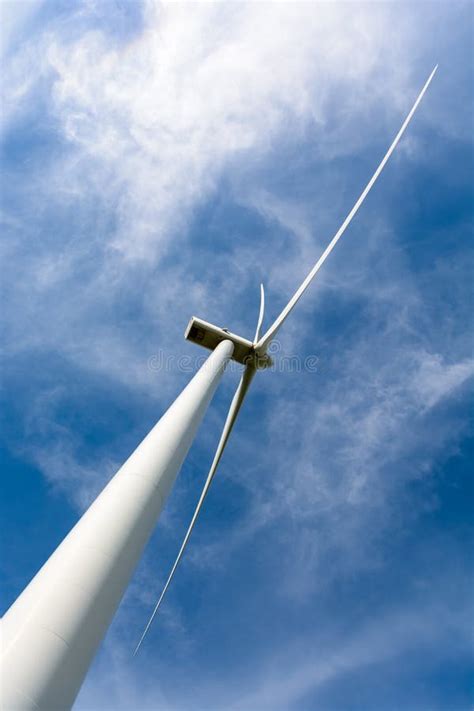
x=260, y=315
x=263, y=343
x=234, y=408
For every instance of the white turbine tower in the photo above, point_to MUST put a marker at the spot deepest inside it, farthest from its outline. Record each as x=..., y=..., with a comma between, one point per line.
x=52, y=631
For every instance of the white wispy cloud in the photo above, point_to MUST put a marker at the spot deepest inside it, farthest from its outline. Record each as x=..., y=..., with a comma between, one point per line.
x=206, y=88
x=375, y=645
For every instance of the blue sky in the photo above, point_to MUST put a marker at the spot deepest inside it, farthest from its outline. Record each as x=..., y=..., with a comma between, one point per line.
x=159, y=161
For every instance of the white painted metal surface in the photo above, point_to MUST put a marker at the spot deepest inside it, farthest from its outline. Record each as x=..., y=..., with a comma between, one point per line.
x=52, y=631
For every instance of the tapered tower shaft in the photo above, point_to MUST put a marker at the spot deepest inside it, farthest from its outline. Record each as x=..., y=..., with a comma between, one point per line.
x=52, y=631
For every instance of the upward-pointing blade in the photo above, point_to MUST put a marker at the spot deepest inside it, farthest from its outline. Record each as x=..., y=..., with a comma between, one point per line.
x=264, y=342
x=260, y=314
x=235, y=406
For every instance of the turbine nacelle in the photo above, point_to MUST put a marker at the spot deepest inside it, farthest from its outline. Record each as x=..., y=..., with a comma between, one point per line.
x=209, y=336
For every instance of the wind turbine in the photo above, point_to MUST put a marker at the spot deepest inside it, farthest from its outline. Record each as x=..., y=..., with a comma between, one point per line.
x=51, y=632
x=257, y=356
